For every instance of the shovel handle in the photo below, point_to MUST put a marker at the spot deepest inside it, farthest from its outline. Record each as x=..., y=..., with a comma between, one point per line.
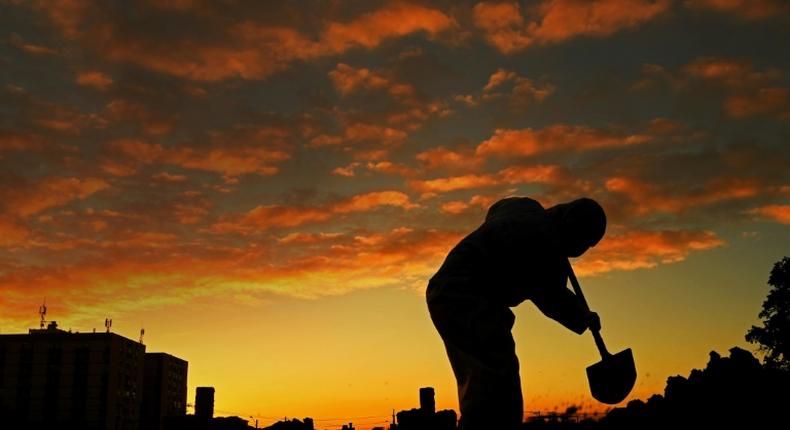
x=578, y=290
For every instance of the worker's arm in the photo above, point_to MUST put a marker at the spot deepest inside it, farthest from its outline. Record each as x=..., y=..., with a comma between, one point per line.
x=561, y=305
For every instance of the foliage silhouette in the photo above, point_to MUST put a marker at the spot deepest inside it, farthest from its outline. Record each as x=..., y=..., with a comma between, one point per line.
x=774, y=336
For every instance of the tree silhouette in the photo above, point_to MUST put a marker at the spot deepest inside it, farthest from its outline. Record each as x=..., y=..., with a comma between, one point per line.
x=774, y=337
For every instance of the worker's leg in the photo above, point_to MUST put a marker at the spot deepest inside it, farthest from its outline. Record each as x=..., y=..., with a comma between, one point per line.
x=482, y=354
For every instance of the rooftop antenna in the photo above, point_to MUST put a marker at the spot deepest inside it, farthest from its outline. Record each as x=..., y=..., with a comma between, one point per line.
x=42, y=311
x=142, y=333
x=108, y=324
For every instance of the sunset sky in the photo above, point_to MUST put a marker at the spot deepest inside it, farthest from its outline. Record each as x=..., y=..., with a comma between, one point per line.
x=266, y=188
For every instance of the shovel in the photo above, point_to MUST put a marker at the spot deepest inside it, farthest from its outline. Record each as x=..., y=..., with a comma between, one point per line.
x=612, y=378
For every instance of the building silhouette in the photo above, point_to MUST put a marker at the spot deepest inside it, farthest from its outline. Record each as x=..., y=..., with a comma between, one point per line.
x=427, y=400
x=164, y=389
x=293, y=424
x=426, y=417
x=204, y=403
x=51, y=378
x=204, y=418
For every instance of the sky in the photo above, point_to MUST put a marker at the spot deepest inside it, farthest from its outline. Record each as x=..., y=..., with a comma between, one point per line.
x=266, y=187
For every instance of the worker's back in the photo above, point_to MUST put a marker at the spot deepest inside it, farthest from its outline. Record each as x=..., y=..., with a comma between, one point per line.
x=513, y=252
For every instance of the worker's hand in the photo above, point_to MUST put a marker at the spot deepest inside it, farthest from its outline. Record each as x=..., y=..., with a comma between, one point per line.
x=593, y=321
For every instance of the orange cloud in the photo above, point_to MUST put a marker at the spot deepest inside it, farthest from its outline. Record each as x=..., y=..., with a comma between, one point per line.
x=120, y=282
x=414, y=117
x=168, y=177
x=63, y=119
x=648, y=198
x=370, y=201
x=386, y=167
x=733, y=75
x=458, y=206
x=402, y=257
x=138, y=150
x=729, y=72
x=444, y=158
x=718, y=69
x=190, y=213
x=48, y=193
x=541, y=173
x=559, y=184
x=749, y=9
x=308, y=238
x=538, y=173
x=467, y=99
x=258, y=52
x=764, y=101
x=229, y=162
x=505, y=27
x=644, y=249
x=524, y=89
x=10, y=141
x=94, y=79
x=527, y=142
x=16, y=41
x=498, y=78
x=394, y=20
x=245, y=49
x=146, y=239
x=443, y=185
x=360, y=132
x=150, y=123
x=390, y=168
x=12, y=232
x=750, y=91
x=262, y=218
x=348, y=171
x=665, y=126
x=306, y=268
x=778, y=213
x=368, y=154
x=747, y=91
x=454, y=207
x=347, y=80
x=563, y=19
x=325, y=140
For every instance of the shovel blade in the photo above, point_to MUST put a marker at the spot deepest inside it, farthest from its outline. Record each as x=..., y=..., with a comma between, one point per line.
x=612, y=378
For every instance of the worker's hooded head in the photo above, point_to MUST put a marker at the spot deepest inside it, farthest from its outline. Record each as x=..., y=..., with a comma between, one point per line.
x=582, y=224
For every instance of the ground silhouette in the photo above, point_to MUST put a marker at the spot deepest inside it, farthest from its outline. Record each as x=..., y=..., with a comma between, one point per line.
x=730, y=392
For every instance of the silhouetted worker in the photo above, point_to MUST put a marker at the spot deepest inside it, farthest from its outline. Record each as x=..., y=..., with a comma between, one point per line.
x=519, y=253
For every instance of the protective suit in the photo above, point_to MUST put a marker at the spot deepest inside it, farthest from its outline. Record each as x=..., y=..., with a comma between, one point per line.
x=517, y=254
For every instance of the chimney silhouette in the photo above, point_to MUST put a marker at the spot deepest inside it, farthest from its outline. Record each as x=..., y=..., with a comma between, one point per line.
x=427, y=401
x=204, y=403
